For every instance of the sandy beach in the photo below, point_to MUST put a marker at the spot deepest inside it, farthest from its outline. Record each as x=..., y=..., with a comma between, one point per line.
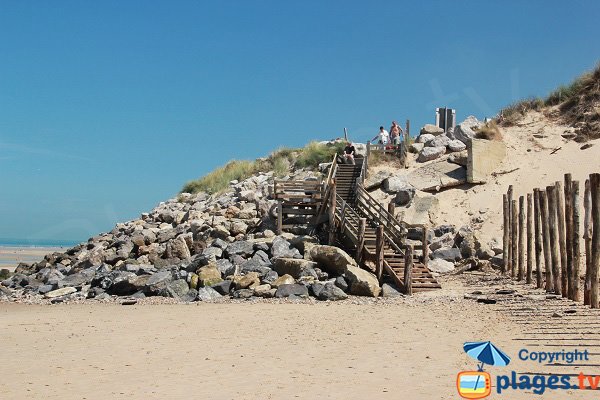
x=406, y=348
x=11, y=256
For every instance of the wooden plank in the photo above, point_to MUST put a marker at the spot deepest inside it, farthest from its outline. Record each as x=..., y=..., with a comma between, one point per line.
x=425, y=247
x=331, y=210
x=595, y=265
x=530, y=236
x=587, y=239
x=546, y=235
x=575, y=236
x=554, y=246
x=538, y=238
x=568, y=189
x=514, y=238
x=279, y=218
x=506, y=236
x=521, y=271
x=379, y=252
x=560, y=217
x=408, y=284
x=362, y=224
x=509, y=196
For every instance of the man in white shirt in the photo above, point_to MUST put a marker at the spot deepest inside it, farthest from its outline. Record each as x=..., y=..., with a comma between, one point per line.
x=383, y=135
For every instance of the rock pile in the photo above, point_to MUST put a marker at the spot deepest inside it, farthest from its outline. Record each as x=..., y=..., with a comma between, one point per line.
x=197, y=247
x=433, y=142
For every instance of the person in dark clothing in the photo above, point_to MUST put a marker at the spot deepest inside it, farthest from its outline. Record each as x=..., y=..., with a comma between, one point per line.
x=349, y=152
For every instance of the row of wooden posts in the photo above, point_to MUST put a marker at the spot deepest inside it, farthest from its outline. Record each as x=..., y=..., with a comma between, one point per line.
x=544, y=228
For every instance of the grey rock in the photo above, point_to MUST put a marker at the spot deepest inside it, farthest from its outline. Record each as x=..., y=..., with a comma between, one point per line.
x=332, y=293
x=440, y=141
x=45, y=289
x=375, y=180
x=396, y=183
x=465, y=131
x=425, y=138
x=456, y=146
x=404, y=196
x=243, y=294
x=430, y=129
x=177, y=288
x=416, y=147
x=60, y=292
x=331, y=259
x=123, y=284
x=362, y=283
x=294, y=267
x=212, y=252
x=291, y=290
x=281, y=248
x=388, y=290
x=451, y=254
x=341, y=283
x=431, y=153
x=440, y=266
x=220, y=243
x=78, y=279
x=269, y=277
x=242, y=248
x=223, y=288
x=178, y=248
x=209, y=294
x=158, y=282
x=225, y=267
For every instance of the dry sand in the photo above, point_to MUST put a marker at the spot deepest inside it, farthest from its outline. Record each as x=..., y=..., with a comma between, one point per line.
x=11, y=256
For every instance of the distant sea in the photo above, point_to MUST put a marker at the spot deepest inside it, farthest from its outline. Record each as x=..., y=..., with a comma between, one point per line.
x=36, y=243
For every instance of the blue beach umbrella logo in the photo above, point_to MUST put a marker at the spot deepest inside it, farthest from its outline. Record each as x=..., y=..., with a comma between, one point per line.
x=486, y=353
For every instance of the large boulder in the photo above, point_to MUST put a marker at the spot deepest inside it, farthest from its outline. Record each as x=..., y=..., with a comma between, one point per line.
x=157, y=283
x=242, y=248
x=431, y=129
x=439, y=141
x=374, y=181
x=396, y=183
x=465, y=131
x=331, y=292
x=452, y=254
x=294, y=290
x=331, y=259
x=281, y=248
x=60, y=292
x=177, y=288
x=456, y=146
x=209, y=275
x=362, y=283
x=178, y=248
x=208, y=294
x=440, y=266
x=431, y=153
x=425, y=138
x=416, y=147
x=293, y=266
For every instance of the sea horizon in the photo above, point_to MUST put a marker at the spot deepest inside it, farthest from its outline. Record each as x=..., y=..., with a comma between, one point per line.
x=14, y=242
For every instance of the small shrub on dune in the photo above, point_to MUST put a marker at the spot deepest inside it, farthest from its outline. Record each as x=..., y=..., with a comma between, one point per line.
x=489, y=131
x=219, y=179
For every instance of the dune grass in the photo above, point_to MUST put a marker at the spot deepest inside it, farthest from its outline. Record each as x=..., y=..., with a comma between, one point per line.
x=489, y=131
x=281, y=162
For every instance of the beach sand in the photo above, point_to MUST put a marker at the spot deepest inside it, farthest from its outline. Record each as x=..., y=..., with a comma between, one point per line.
x=410, y=348
x=10, y=256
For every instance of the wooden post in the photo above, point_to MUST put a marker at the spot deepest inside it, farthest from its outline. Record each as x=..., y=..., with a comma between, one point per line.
x=408, y=265
x=362, y=227
x=425, y=242
x=509, y=196
x=506, y=236
x=379, y=243
x=538, y=237
x=332, y=201
x=569, y=232
x=515, y=238
x=546, y=235
x=575, y=248
x=343, y=217
x=521, y=271
x=391, y=207
x=530, y=234
x=554, y=246
x=560, y=219
x=279, y=217
x=595, y=193
x=587, y=240
x=407, y=141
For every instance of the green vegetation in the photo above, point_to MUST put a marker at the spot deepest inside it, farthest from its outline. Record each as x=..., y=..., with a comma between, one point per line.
x=280, y=162
x=513, y=113
x=4, y=274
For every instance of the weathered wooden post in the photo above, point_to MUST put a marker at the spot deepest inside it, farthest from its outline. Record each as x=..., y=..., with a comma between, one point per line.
x=595, y=193
x=587, y=240
x=538, y=237
x=569, y=232
x=509, y=196
x=407, y=141
x=530, y=234
x=391, y=207
x=279, y=217
x=408, y=265
x=521, y=270
x=560, y=219
x=362, y=227
x=331, y=212
x=425, y=242
x=506, y=236
x=546, y=234
x=554, y=246
x=575, y=227
x=515, y=238
x=343, y=217
x=379, y=243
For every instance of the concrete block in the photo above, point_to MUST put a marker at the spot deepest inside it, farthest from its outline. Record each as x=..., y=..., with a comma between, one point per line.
x=483, y=158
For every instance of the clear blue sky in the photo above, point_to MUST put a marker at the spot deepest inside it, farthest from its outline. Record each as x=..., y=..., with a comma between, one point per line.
x=108, y=107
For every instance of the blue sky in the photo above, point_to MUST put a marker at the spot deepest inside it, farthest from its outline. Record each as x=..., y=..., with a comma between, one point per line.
x=108, y=107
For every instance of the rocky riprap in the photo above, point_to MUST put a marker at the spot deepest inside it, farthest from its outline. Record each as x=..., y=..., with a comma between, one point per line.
x=197, y=248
